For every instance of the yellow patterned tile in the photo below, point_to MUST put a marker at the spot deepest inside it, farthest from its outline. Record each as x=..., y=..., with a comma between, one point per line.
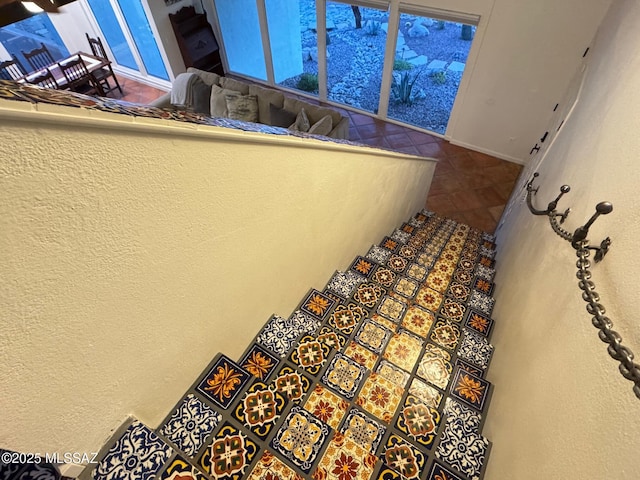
x=344, y=459
x=418, y=320
x=429, y=299
x=438, y=280
x=403, y=350
x=380, y=397
x=269, y=468
x=361, y=355
x=326, y=406
x=385, y=322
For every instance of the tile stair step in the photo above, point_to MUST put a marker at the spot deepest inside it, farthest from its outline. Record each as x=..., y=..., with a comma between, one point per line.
x=299, y=368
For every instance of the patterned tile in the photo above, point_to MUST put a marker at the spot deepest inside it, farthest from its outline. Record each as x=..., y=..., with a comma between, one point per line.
x=475, y=349
x=190, y=425
x=387, y=473
x=407, y=252
x=435, y=366
x=392, y=373
x=478, y=372
x=403, y=350
x=397, y=263
x=223, y=382
x=378, y=254
x=462, y=450
x=408, y=228
x=363, y=430
x=390, y=244
x=345, y=318
x=469, y=417
x=464, y=277
x=269, y=467
x=418, y=421
x=380, y=397
x=291, y=383
x=363, y=266
x=392, y=308
x=259, y=362
x=334, y=296
x=416, y=271
x=426, y=260
x=278, y=335
x=344, y=283
x=427, y=394
x=485, y=272
x=361, y=355
x=446, y=334
x=344, y=459
x=138, y=454
x=403, y=457
x=466, y=264
x=479, y=322
x=483, y=286
x=452, y=310
x=260, y=409
x=303, y=322
x=373, y=336
x=438, y=472
x=458, y=291
x=330, y=337
x=487, y=262
x=310, y=354
x=385, y=322
x=429, y=299
x=368, y=294
x=344, y=375
x=406, y=287
x=384, y=277
x=229, y=454
x=470, y=389
x=400, y=236
x=418, y=320
x=481, y=302
x=179, y=468
x=326, y=406
x=438, y=281
x=317, y=304
x=301, y=438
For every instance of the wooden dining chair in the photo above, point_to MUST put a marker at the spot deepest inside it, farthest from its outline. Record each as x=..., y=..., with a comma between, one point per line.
x=102, y=74
x=78, y=77
x=39, y=58
x=11, y=69
x=44, y=79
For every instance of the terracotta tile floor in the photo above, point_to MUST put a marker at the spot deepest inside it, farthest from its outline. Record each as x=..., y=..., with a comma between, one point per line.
x=469, y=187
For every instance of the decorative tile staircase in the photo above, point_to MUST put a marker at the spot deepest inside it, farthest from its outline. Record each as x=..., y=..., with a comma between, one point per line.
x=378, y=376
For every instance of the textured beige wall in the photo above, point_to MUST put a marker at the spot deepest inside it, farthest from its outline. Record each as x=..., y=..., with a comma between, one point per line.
x=561, y=409
x=129, y=260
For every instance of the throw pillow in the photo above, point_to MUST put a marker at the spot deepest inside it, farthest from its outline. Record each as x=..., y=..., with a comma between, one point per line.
x=209, y=78
x=302, y=122
x=322, y=126
x=279, y=117
x=242, y=107
x=218, y=100
x=266, y=97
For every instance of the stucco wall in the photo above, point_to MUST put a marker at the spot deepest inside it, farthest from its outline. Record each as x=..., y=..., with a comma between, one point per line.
x=129, y=259
x=560, y=408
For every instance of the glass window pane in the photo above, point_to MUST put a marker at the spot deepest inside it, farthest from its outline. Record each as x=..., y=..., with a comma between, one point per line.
x=143, y=37
x=241, y=37
x=110, y=27
x=294, y=44
x=355, y=56
x=429, y=63
x=28, y=34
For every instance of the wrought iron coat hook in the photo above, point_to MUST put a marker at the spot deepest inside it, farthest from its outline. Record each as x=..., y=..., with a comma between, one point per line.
x=628, y=368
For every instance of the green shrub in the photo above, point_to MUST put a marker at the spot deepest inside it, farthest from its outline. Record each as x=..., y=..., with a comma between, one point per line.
x=402, y=64
x=402, y=86
x=308, y=82
x=372, y=27
x=439, y=77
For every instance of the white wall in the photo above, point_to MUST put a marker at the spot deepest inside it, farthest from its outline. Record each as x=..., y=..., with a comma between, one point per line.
x=560, y=408
x=130, y=258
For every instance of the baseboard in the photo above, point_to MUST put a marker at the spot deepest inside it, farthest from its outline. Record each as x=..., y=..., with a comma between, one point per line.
x=499, y=155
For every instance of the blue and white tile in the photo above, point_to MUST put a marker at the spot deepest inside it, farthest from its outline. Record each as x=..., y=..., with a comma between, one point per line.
x=345, y=283
x=481, y=302
x=378, y=254
x=466, y=452
x=476, y=349
x=190, y=425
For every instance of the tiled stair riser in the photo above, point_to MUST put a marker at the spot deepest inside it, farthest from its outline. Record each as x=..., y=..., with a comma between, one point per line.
x=347, y=373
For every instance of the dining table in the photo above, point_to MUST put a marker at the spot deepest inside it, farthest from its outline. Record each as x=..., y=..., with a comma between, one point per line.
x=92, y=63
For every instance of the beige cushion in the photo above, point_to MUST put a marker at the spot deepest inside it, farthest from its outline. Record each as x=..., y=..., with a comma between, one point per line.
x=231, y=84
x=302, y=122
x=314, y=113
x=209, y=78
x=242, y=107
x=322, y=126
x=218, y=100
x=279, y=117
x=266, y=97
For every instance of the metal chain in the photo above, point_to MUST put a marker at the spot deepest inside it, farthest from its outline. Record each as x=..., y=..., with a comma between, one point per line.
x=620, y=353
x=557, y=228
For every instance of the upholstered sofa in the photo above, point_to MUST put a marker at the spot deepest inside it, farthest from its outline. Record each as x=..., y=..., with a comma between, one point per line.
x=218, y=96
